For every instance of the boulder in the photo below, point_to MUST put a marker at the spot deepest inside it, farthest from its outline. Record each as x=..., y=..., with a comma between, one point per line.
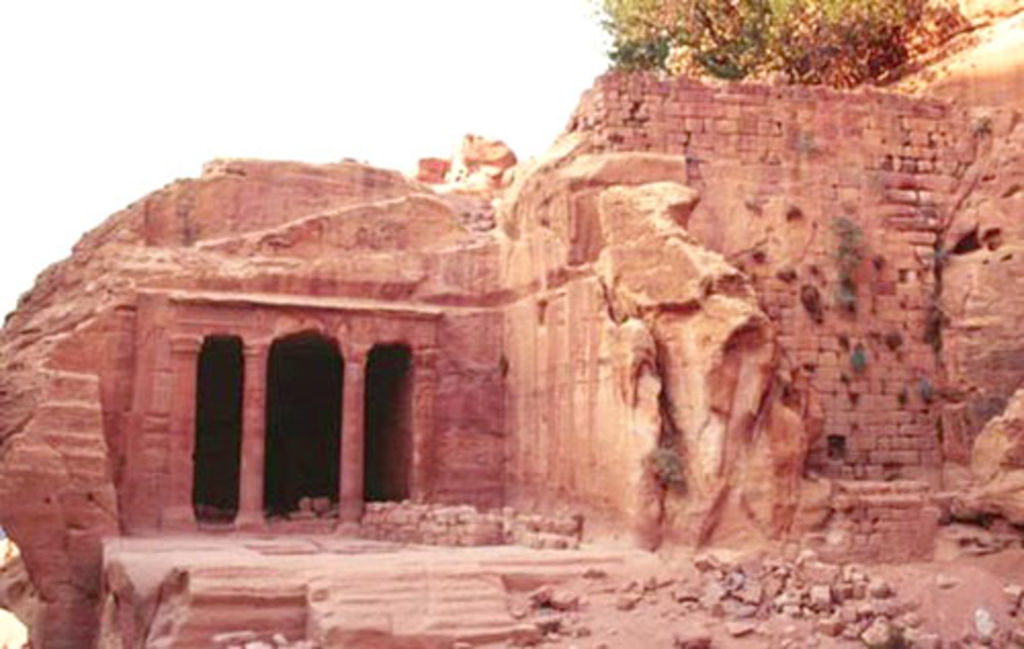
x=1000, y=446
x=481, y=163
x=997, y=463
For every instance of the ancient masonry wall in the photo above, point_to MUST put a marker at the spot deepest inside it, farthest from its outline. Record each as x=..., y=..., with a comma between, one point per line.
x=464, y=525
x=832, y=203
x=881, y=521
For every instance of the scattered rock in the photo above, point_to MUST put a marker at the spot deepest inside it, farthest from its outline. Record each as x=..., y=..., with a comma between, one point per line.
x=541, y=597
x=738, y=610
x=734, y=581
x=879, y=589
x=1014, y=593
x=685, y=592
x=564, y=600
x=628, y=601
x=738, y=629
x=818, y=572
x=985, y=624
x=692, y=639
x=706, y=563
x=549, y=623
x=1017, y=637
x=713, y=593
x=945, y=581
x=654, y=583
x=830, y=626
x=751, y=593
x=911, y=620
x=234, y=637
x=821, y=598
x=880, y=635
x=919, y=639
x=432, y=170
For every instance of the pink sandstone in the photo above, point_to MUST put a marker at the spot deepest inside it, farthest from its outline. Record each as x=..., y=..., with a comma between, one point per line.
x=680, y=325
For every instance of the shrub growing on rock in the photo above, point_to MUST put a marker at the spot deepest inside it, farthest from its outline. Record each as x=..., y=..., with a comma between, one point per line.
x=667, y=468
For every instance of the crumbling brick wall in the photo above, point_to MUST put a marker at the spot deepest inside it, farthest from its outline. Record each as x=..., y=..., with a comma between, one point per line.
x=465, y=525
x=833, y=203
x=880, y=521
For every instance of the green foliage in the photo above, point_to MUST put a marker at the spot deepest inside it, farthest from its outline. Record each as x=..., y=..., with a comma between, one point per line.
x=982, y=126
x=667, y=468
x=849, y=254
x=925, y=390
x=859, y=359
x=933, y=323
x=841, y=43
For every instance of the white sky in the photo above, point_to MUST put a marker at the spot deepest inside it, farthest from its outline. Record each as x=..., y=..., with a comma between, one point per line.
x=102, y=102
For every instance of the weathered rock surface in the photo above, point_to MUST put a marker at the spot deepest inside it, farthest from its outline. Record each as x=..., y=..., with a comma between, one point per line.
x=983, y=65
x=997, y=464
x=979, y=306
x=693, y=386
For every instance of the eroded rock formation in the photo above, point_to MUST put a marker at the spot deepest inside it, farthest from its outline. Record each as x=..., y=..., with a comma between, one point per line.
x=997, y=466
x=977, y=313
x=686, y=433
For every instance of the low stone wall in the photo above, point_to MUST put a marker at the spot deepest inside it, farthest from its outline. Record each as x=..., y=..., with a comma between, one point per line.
x=464, y=525
x=880, y=522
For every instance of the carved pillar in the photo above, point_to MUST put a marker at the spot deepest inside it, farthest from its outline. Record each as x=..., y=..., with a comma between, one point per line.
x=250, y=490
x=353, y=436
x=424, y=389
x=178, y=513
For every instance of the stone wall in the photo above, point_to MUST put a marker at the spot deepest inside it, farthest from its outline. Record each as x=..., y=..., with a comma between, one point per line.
x=880, y=521
x=465, y=525
x=833, y=204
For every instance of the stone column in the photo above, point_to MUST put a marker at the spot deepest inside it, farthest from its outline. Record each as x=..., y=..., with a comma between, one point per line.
x=423, y=391
x=178, y=513
x=353, y=435
x=250, y=489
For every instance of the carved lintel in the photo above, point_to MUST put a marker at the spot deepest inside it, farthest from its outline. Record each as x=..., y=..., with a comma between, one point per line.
x=187, y=344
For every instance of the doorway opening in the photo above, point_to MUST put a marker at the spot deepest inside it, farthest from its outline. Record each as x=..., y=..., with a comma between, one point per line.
x=303, y=447
x=218, y=434
x=388, y=419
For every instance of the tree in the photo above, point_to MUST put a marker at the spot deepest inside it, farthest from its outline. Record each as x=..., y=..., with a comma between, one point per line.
x=841, y=43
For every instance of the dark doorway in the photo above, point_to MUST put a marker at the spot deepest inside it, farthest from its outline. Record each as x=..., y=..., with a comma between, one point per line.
x=388, y=412
x=304, y=383
x=218, y=441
